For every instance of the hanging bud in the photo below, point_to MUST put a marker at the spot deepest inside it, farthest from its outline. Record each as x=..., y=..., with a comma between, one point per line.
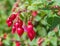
x=13, y=29
x=29, y=27
x=34, y=13
x=9, y=22
x=16, y=24
x=40, y=41
x=1, y=43
x=5, y=35
x=17, y=43
x=31, y=34
x=19, y=23
x=30, y=23
x=20, y=31
x=13, y=16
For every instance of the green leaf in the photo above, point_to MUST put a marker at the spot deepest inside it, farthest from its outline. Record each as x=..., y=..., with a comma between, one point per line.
x=37, y=18
x=46, y=42
x=13, y=44
x=41, y=31
x=53, y=41
x=51, y=34
x=17, y=37
x=32, y=8
x=57, y=2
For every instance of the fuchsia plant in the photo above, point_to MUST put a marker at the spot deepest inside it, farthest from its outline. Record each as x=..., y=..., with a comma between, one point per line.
x=19, y=26
x=30, y=23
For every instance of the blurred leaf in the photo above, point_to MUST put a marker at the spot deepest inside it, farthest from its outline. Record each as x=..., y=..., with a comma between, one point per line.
x=54, y=41
x=53, y=22
x=51, y=34
x=41, y=31
x=17, y=37
x=38, y=18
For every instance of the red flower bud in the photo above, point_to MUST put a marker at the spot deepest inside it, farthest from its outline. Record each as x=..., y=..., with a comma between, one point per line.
x=17, y=43
x=16, y=4
x=20, y=31
x=13, y=29
x=8, y=20
x=13, y=16
x=40, y=40
x=29, y=27
x=34, y=13
x=1, y=43
x=29, y=23
x=20, y=21
x=9, y=23
x=18, y=24
x=5, y=35
x=31, y=34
